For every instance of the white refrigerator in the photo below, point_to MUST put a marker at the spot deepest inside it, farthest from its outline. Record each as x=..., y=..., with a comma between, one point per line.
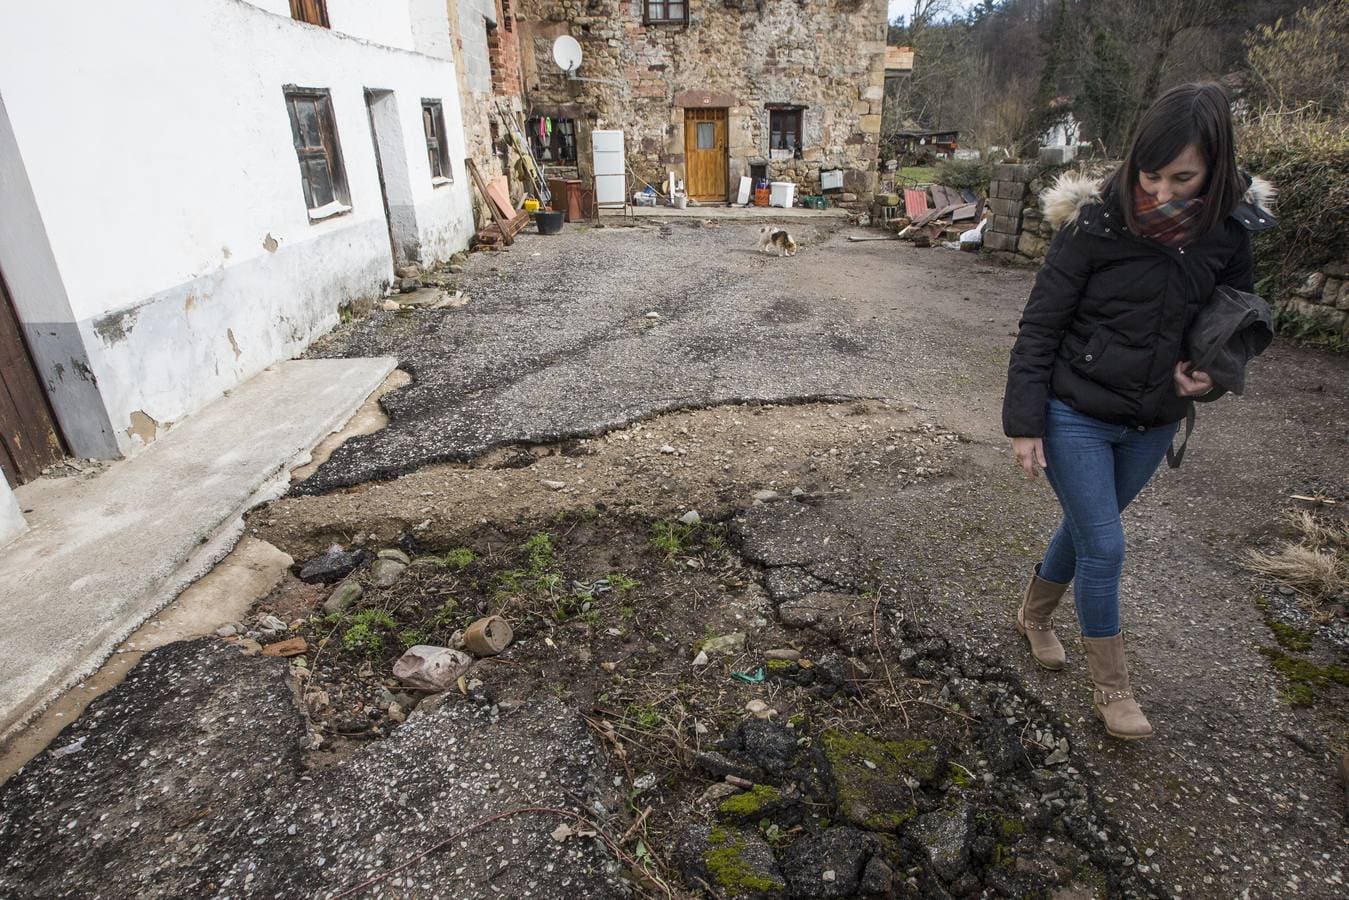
x=611, y=179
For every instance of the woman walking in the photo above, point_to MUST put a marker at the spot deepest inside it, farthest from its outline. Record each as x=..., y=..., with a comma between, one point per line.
x=1097, y=384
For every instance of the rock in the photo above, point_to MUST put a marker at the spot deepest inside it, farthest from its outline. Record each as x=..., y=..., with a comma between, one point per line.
x=726, y=643
x=340, y=600
x=653, y=315
x=667, y=449
x=734, y=861
x=397, y=555
x=459, y=259
x=877, y=877
x=225, y=631
x=455, y=269
x=718, y=792
x=332, y=566
x=701, y=659
x=249, y=647
x=408, y=285
x=396, y=712
x=409, y=271
x=944, y=836
x=719, y=766
x=271, y=623
x=691, y=518
x=760, y=709
x=289, y=647
x=1311, y=286
x=828, y=864
x=766, y=496
x=768, y=745
x=385, y=572
x=553, y=485
x=786, y=653
x=879, y=796
x=429, y=668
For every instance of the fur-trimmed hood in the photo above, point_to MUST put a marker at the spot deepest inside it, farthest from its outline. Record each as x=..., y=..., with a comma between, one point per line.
x=1072, y=192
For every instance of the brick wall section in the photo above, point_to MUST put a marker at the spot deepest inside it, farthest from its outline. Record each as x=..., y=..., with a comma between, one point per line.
x=824, y=55
x=488, y=69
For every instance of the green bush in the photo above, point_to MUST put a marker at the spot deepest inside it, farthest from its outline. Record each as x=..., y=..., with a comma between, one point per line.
x=1306, y=158
x=970, y=174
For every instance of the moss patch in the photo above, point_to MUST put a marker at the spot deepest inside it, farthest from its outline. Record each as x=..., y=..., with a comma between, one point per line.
x=728, y=868
x=751, y=803
x=1302, y=678
x=1289, y=638
x=870, y=776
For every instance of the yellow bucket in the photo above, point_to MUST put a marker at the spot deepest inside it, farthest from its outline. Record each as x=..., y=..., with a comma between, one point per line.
x=531, y=205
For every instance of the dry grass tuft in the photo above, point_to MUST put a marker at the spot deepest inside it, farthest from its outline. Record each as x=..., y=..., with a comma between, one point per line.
x=1318, y=533
x=1315, y=572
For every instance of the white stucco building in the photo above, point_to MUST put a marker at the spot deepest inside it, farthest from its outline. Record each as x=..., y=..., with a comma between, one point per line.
x=192, y=191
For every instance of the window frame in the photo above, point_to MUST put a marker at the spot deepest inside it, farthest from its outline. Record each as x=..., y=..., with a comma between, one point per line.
x=302, y=10
x=329, y=150
x=562, y=138
x=437, y=153
x=664, y=18
x=790, y=111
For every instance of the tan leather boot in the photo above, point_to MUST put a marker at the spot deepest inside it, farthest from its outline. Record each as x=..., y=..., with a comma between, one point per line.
x=1112, y=697
x=1033, y=620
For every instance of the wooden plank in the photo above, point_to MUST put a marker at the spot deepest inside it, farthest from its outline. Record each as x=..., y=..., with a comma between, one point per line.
x=473, y=172
x=28, y=430
x=500, y=193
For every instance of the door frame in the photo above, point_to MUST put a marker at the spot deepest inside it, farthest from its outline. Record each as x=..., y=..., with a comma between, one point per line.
x=24, y=402
x=395, y=180
x=722, y=117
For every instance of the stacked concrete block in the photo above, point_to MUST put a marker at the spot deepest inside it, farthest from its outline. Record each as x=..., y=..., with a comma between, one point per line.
x=1007, y=197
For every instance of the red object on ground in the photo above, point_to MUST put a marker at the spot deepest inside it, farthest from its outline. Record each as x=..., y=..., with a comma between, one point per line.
x=915, y=203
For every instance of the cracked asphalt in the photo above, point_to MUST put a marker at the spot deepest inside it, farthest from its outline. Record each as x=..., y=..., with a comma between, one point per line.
x=1238, y=795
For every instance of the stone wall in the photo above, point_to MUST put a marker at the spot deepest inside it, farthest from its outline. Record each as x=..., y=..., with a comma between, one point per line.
x=826, y=56
x=488, y=71
x=1323, y=298
x=1008, y=197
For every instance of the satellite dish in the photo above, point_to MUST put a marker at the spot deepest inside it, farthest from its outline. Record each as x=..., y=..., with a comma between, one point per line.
x=567, y=53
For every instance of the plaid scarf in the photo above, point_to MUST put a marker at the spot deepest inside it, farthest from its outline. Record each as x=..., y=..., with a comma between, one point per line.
x=1172, y=223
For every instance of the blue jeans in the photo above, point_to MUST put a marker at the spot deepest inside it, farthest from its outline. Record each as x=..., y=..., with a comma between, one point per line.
x=1095, y=469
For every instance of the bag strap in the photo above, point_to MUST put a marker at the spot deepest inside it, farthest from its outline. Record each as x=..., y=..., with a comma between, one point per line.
x=1174, y=456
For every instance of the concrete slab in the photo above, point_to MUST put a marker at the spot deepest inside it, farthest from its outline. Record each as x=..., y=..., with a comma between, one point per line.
x=728, y=212
x=103, y=554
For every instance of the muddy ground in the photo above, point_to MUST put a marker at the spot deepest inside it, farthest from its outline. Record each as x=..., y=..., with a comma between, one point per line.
x=833, y=421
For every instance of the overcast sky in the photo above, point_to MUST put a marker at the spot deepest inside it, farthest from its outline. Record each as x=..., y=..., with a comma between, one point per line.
x=904, y=7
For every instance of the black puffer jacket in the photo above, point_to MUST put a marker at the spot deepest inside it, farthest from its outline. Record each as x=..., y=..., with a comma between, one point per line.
x=1103, y=328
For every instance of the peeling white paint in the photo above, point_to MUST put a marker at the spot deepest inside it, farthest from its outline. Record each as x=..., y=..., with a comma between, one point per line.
x=183, y=244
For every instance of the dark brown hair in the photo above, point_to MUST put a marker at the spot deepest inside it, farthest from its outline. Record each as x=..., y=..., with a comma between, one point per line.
x=1198, y=114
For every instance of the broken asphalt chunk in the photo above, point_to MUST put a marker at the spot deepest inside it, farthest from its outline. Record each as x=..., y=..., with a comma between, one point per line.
x=332, y=566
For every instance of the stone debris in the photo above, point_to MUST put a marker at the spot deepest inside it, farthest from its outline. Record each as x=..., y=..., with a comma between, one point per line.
x=332, y=566
x=341, y=599
x=385, y=572
x=726, y=643
x=430, y=668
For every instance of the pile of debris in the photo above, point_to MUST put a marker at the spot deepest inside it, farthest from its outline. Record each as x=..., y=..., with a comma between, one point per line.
x=947, y=218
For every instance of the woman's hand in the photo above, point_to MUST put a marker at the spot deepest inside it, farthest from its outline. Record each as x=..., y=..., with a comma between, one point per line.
x=1192, y=384
x=1029, y=451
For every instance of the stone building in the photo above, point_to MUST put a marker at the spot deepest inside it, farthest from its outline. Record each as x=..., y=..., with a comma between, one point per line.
x=712, y=91
x=487, y=48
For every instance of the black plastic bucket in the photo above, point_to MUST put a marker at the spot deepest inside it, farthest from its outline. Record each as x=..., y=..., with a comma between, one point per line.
x=548, y=222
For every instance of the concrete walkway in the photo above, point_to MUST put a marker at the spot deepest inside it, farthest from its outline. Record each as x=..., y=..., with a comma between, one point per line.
x=102, y=554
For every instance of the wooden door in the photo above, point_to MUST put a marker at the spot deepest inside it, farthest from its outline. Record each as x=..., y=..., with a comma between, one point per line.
x=29, y=440
x=705, y=153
